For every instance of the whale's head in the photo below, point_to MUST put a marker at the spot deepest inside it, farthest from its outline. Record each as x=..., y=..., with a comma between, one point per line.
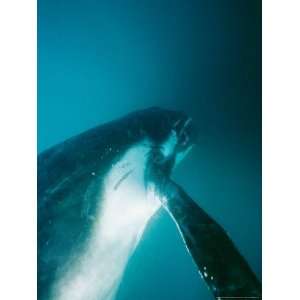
x=172, y=133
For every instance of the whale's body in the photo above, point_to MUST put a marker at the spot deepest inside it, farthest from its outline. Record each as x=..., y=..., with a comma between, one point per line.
x=94, y=202
x=96, y=194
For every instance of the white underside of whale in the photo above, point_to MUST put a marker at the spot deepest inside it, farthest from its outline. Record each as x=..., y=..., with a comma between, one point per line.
x=123, y=215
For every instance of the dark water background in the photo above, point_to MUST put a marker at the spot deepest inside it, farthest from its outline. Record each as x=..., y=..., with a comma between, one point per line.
x=98, y=60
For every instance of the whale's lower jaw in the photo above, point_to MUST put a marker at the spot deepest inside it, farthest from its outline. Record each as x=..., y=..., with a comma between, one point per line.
x=123, y=215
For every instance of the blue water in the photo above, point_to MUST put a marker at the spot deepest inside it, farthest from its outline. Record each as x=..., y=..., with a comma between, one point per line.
x=98, y=60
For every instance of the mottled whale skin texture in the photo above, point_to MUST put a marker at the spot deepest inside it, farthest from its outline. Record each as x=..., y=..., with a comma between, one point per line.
x=95, y=197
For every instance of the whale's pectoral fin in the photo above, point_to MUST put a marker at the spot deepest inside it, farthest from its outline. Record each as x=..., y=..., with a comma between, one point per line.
x=219, y=262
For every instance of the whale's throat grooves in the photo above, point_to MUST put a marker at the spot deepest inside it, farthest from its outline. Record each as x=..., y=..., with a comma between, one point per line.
x=122, y=216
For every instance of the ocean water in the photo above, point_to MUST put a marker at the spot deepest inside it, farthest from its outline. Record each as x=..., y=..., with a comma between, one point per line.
x=99, y=60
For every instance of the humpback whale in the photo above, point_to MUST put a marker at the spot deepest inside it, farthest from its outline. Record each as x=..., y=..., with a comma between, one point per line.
x=95, y=199
x=98, y=190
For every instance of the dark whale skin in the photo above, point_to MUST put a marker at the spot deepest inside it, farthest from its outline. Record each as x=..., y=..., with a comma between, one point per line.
x=224, y=270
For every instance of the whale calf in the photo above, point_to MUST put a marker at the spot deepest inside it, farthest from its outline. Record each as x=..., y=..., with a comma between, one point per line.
x=95, y=198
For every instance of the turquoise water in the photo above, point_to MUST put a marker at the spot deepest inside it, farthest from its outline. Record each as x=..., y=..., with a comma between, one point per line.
x=98, y=60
